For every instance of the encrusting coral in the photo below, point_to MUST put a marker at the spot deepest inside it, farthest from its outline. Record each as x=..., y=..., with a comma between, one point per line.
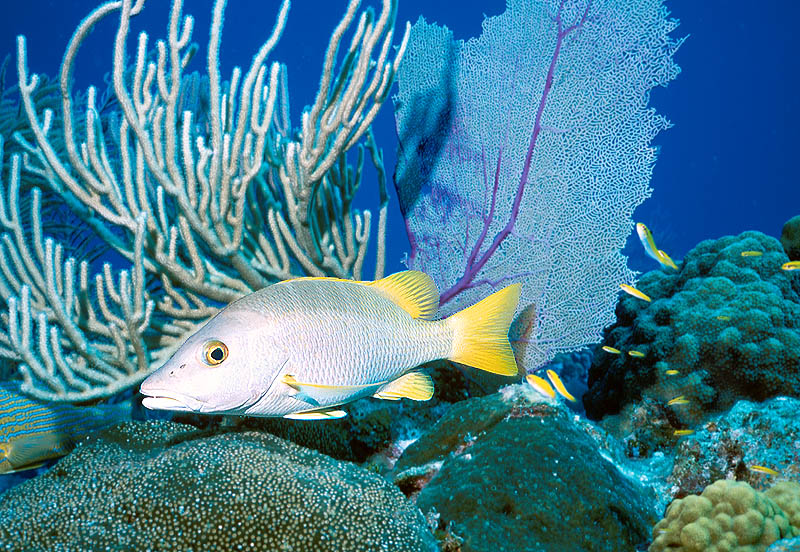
x=722, y=328
x=162, y=486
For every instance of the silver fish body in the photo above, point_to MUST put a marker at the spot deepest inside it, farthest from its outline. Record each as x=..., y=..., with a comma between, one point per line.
x=309, y=345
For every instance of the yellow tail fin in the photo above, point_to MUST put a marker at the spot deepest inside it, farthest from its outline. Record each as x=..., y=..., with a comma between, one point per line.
x=481, y=333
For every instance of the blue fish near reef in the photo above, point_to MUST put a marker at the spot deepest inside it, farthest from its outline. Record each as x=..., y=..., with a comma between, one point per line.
x=32, y=432
x=301, y=348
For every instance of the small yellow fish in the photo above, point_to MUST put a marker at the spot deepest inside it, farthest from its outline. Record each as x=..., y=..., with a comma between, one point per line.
x=301, y=348
x=763, y=469
x=649, y=244
x=791, y=265
x=635, y=353
x=611, y=350
x=672, y=372
x=559, y=385
x=541, y=385
x=752, y=253
x=678, y=400
x=682, y=432
x=665, y=259
x=630, y=290
x=723, y=317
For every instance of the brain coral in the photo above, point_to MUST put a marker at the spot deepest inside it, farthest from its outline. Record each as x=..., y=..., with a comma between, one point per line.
x=728, y=516
x=161, y=486
x=727, y=322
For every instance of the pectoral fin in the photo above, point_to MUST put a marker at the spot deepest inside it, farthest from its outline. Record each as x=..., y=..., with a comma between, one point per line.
x=414, y=385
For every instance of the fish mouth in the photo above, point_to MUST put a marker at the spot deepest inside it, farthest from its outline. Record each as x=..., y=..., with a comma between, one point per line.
x=164, y=400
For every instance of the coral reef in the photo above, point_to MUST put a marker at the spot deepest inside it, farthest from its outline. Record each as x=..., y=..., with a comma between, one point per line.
x=726, y=446
x=200, y=187
x=727, y=323
x=162, y=486
x=728, y=516
x=511, y=472
x=790, y=238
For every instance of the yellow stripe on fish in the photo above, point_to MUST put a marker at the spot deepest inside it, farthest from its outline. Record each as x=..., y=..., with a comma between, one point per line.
x=791, y=265
x=559, y=385
x=649, y=244
x=611, y=350
x=541, y=385
x=630, y=290
x=302, y=348
x=636, y=354
x=32, y=431
x=751, y=253
x=763, y=469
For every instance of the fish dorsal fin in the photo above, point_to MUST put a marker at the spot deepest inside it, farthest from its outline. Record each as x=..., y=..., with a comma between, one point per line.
x=414, y=385
x=411, y=290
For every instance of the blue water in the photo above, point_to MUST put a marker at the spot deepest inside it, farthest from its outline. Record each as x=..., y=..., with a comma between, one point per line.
x=726, y=166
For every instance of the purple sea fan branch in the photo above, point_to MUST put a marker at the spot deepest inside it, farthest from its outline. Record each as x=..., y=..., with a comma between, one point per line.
x=472, y=268
x=561, y=201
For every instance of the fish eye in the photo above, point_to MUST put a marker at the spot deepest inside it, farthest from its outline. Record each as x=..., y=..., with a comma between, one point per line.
x=214, y=352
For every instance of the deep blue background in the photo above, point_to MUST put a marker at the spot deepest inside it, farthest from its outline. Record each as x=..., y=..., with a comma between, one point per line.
x=727, y=165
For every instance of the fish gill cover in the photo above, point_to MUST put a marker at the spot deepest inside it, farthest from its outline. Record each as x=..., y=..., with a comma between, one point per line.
x=523, y=154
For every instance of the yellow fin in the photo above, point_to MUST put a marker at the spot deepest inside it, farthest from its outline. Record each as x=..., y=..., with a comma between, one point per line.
x=481, y=333
x=413, y=291
x=317, y=415
x=414, y=385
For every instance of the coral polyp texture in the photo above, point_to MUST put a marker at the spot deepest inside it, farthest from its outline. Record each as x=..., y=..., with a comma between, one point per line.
x=729, y=516
x=524, y=153
x=162, y=486
x=722, y=328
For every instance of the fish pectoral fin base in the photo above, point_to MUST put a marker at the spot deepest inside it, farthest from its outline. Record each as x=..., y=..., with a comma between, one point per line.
x=414, y=385
x=324, y=414
x=413, y=291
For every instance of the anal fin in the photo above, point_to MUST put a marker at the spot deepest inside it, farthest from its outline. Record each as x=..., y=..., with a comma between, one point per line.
x=416, y=386
x=329, y=414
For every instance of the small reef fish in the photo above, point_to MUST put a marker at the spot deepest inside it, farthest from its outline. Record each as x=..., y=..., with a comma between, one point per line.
x=649, y=244
x=763, y=469
x=672, y=372
x=635, y=353
x=32, y=431
x=303, y=347
x=630, y=290
x=682, y=432
x=680, y=399
x=751, y=253
x=723, y=317
x=559, y=385
x=611, y=350
x=791, y=265
x=541, y=385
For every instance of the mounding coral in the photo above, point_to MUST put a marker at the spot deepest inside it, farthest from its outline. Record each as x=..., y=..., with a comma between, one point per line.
x=726, y=321
x=162, y=486
x=728, y=516
x=515, y=472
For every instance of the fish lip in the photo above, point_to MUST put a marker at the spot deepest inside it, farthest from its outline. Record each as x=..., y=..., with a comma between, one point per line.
x=161, y=399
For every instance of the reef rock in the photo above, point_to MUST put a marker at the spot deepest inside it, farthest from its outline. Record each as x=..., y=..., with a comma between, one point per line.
x=514, y=472
x=161, y=486
x=724, y=327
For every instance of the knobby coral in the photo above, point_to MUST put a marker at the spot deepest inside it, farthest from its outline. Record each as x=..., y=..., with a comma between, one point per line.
x=200, y=186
